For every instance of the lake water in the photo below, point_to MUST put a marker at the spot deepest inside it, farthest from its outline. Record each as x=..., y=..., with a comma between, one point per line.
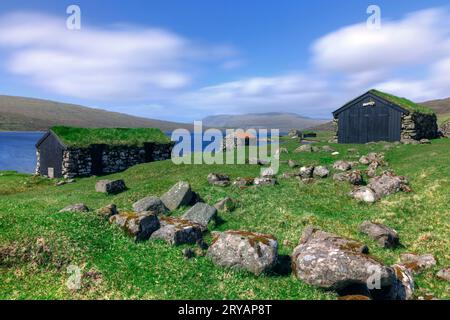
x=17, y=151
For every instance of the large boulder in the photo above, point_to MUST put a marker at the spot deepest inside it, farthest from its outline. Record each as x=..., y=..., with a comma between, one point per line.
x=388, y=183
x=77, y=207
x=342, y=165
x=218, y=179
x=110, y=186
x=150, y=204
x=321, y=172
x=179, y=195
x=403, y=288
x=254, y=252
x=329, y=261
x=364, y=194
x=417, y=263
x=306, y=172
x=140, y=226
x=201, y=214
x=177, y=231
x=383, y=235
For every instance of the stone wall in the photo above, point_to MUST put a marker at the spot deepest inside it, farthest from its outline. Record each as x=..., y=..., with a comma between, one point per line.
x=335, y=127
x=78, y=162
x=416, y=126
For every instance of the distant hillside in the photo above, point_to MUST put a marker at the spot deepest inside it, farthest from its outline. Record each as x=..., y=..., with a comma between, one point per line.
x=272, y=120
x=27, y=114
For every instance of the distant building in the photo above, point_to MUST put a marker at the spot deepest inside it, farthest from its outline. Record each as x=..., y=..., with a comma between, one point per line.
x=66, y=152
x=379, y=116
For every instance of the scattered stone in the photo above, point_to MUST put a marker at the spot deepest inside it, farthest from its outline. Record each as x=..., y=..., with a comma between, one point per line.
x=226, y=205
x=417, y=263
x=60, y=183
x=179, y=195
x=444, y=274
x=176, y=231
x=150, y=204
x=410, y=141
x=342, y=165
x=306, y=172
x=403, y=288
x=188, y=253
x=372, y=169
x=388, y=183
x=292, y=164
x=243, y=182
x=425, y=141
x=218, y=179
x=328, y=149
x=376, y=157
x=364, y=160
x=385, y=236
x=329, y=261
x=315, y=149
x=78, y=207
x=364, y=194
x=335, y=153
x=304, y=148
x=108, y=211
x=341, y=177
x=321, y=172
x=140, y=226
x=254, y=252
x=201, y=214
x=265, y=181
x=110, y=186
x=355, y=178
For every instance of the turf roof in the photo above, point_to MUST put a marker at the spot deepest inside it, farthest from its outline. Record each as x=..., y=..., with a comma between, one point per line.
x=403, y=102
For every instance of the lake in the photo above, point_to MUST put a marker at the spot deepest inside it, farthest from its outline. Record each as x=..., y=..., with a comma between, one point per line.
x=17, y=151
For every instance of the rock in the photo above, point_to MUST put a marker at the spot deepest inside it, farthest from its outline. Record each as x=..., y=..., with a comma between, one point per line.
x=218, y=179
x=283, y=150
x=328, y=149
x=226, y=205
x=355, y=178
x=243, y=182
x=403, y=288
x=108, y=211
x=341, y=176
x=288, y=175
x=110, y=186
x=265, y=181
x=372, y=169
x=188, y=253
x=321, y=172
x=410, y=141
x=179, y=195
x=364, y=160
x=150, y=204
x=387, y=183
x=425, y=141
x=176, y=231
x=385, y=236
x=444, y=274
x=292, y=164
x=329, y=261
x=315, y=149
x=254, y=252
x=306, y=172
x=78, y=207
x=140, y=226
x=201, y=214
x=60, y=183
x=304, y=148
x=335, y=153
x=294, y=133
x=342, y=165
x=201, y=244
x=364, y=194
x=417, y=263
x=268, y=172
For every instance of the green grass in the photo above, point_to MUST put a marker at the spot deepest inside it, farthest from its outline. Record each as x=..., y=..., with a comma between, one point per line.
x=84, y=137
x=443, y=119
x=403, y=102
x=154, y=270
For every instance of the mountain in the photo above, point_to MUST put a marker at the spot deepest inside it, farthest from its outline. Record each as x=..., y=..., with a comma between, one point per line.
x=440, y=106
x=275, y=120
x=28, y=114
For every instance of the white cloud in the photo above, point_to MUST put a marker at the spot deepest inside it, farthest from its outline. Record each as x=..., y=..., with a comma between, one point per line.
x=101, y=64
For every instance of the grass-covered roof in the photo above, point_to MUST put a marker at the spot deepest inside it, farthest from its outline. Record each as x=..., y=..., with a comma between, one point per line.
x=84, y=137
x=403, y=102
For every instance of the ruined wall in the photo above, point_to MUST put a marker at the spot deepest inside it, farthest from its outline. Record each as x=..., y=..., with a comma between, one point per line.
x=416, y=126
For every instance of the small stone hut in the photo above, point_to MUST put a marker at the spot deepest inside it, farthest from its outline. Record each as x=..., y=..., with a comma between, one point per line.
x=379, y=116
x=67, y=152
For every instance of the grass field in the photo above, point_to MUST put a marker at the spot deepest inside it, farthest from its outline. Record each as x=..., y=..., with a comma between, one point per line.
x=115, y=267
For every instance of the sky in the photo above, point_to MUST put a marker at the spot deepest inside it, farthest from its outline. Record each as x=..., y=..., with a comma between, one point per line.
x=182, y=60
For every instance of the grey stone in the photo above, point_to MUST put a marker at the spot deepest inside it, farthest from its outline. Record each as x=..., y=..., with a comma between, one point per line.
x=265, y=181
x=364, y=194
x=179, y=195
x=177, y=231
x=201, y=214
x=268, y=172
x=321, y=172
x=110, y=186
x=254, y=252
x=304, y=148
x=425, y=141
x=292, y=164
x=151, y=204
x=355, y=178
x=140, y=226
x=218, y=179
x=444, y=274
x=388, y=183
x=243, y=182
x=226, y=204
x=328, y=149
x=417, y=263
x=108, y=211
x=403, y=288
x=342, y=165
x=306, y=172
x=385, y=236
x=78, y=207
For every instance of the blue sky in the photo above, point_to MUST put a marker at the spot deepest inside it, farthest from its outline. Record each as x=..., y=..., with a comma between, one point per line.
x=183, y=60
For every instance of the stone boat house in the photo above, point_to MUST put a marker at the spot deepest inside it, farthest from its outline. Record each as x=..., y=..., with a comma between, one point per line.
x=65, y=152
x=378, y=116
